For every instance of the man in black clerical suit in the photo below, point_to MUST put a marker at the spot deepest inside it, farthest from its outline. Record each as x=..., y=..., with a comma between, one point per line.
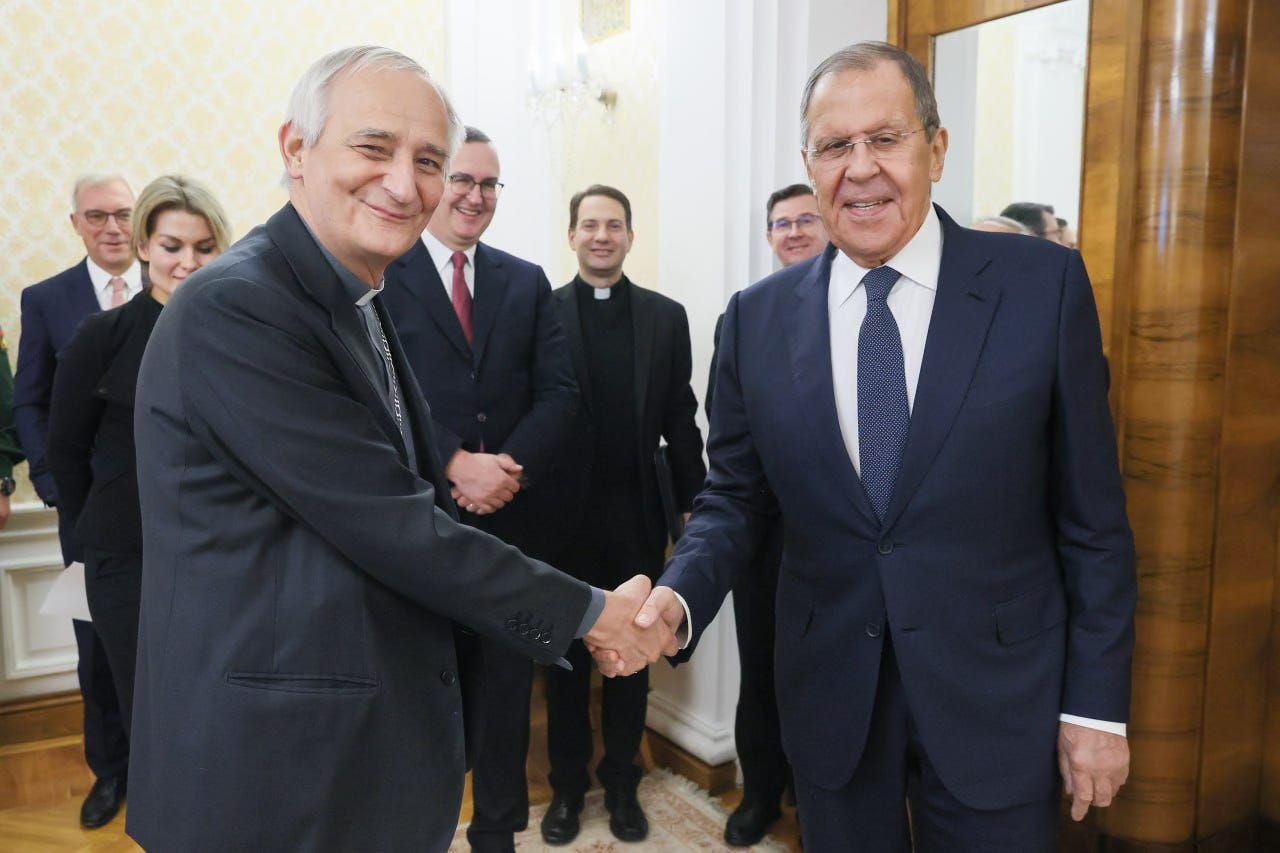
x=795, y=233
x=481, y=333
x=631, y=356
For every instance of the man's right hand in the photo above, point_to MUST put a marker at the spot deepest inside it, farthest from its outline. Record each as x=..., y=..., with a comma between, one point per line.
x=618, y=644
x=483, y=482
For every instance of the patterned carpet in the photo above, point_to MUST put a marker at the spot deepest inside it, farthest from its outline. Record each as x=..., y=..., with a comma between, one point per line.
x=681, y=818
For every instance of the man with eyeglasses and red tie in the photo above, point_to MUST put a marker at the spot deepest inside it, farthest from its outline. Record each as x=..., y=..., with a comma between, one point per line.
x=795, y=233
x=51, y=311
x=479, y=328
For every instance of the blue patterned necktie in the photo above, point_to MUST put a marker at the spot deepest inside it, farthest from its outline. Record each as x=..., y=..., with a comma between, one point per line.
x=883, y=414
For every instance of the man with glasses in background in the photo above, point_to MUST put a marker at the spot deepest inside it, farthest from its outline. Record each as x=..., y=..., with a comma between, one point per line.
x=51, y=311
x=795, y=233
x=479, y=328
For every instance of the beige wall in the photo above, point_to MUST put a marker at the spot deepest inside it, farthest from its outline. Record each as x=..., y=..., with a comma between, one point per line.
x=621, y=148
x=152, y=86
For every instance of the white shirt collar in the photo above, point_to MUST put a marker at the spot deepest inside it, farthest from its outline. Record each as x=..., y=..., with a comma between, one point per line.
x=918, y=261
x=442, y=256
x=101, y=279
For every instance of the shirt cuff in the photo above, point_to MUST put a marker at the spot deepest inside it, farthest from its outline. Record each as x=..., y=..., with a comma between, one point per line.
x=594, y=609
x=685, y=632
x=1101, y=725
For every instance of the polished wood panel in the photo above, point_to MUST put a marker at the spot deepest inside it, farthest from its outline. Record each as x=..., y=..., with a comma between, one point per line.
x=1251, y=456
x=57, y=715
x=1179, y=190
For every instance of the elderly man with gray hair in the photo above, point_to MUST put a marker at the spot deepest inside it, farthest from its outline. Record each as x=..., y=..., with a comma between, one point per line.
x=310, y=602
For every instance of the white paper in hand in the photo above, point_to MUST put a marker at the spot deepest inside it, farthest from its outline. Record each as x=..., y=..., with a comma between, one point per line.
x=67, y=596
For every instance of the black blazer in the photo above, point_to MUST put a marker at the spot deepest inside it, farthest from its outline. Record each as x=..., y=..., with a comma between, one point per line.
x=90, y=449
x=665, y=408
x=511, y=391
x=51, y=313
x=299, y=684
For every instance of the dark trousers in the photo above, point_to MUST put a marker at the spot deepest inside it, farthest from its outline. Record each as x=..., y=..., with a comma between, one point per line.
x=756, y=732
x=622, y=711
x=113, y=583
x=106, y=742
x=895, y=771
x=500, y=791
x=607, y=550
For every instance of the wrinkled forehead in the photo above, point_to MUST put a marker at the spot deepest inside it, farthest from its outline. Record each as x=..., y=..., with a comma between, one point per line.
x=856, y=102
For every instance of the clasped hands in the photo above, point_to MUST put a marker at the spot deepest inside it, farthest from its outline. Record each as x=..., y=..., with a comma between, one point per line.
x=637, y=627
x=483, y=483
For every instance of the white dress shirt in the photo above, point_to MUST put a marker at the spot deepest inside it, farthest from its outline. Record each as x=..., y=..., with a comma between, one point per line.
x=442, y=257
x=101, y=280
x=911, y=303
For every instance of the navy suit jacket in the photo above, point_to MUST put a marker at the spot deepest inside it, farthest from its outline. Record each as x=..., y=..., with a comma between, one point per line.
x=299, y=680
x=1004, y=570
x=51, y=313
x=510, y=391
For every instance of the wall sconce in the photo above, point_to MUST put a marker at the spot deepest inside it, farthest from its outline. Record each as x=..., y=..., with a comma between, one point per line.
x=560, y=83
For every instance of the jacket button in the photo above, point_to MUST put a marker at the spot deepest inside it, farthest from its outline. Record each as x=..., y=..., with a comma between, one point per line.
x=873, y=629
x=482, y=417
x=546, y=638
x=885, y=548
x=473, y=376
x=447, y=677
x=513, y=624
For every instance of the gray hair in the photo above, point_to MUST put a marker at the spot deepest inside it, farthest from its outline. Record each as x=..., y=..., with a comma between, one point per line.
x=94, y=179
x=1005, y=221
x=865, y=56
x=308, y=108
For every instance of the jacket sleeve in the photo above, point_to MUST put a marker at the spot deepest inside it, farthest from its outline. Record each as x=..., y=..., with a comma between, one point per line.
x=31, y=389
x=262, y=395
x=1095, y=544
x=684, y=439
x=10, y=451
x=75, y=413
x=541, y=435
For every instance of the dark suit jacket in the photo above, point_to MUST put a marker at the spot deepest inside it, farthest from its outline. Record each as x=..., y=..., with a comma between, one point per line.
x=665, y=407
x=512, y=391
x=298, y=682
x=51, y=312
x=1005, y=566
x=90, y=449
x=10, y=452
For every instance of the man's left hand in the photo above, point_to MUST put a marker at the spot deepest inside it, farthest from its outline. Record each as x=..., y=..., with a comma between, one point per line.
x=1094, y=764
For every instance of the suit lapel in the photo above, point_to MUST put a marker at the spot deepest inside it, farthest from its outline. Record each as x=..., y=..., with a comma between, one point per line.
x=573, y=333
x=491, y=290
x=320, y=280
x=644, y=326
x=419, y=276
x=962, y=312
x=808, y=330
x=81, y=297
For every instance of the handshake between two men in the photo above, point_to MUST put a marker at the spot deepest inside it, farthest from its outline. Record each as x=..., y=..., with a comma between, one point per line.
x=638, y=626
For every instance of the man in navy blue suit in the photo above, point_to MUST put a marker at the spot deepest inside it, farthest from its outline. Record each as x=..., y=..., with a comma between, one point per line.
x=480, y=329
x=51, y=312
x=925, y=407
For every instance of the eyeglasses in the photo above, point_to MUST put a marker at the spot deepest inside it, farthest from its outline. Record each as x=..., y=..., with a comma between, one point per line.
x=98, y=218
x=884, y=145
x=803, y=221
x=463, y=184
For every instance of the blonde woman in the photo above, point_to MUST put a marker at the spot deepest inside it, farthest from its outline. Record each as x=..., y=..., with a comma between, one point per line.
x=178, y=227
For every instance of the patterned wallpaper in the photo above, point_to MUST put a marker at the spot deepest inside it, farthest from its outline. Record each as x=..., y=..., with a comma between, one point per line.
x=148, y=86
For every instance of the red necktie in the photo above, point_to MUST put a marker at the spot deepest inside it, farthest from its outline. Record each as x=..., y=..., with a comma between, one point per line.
x=117, y=291
x=461, y=296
